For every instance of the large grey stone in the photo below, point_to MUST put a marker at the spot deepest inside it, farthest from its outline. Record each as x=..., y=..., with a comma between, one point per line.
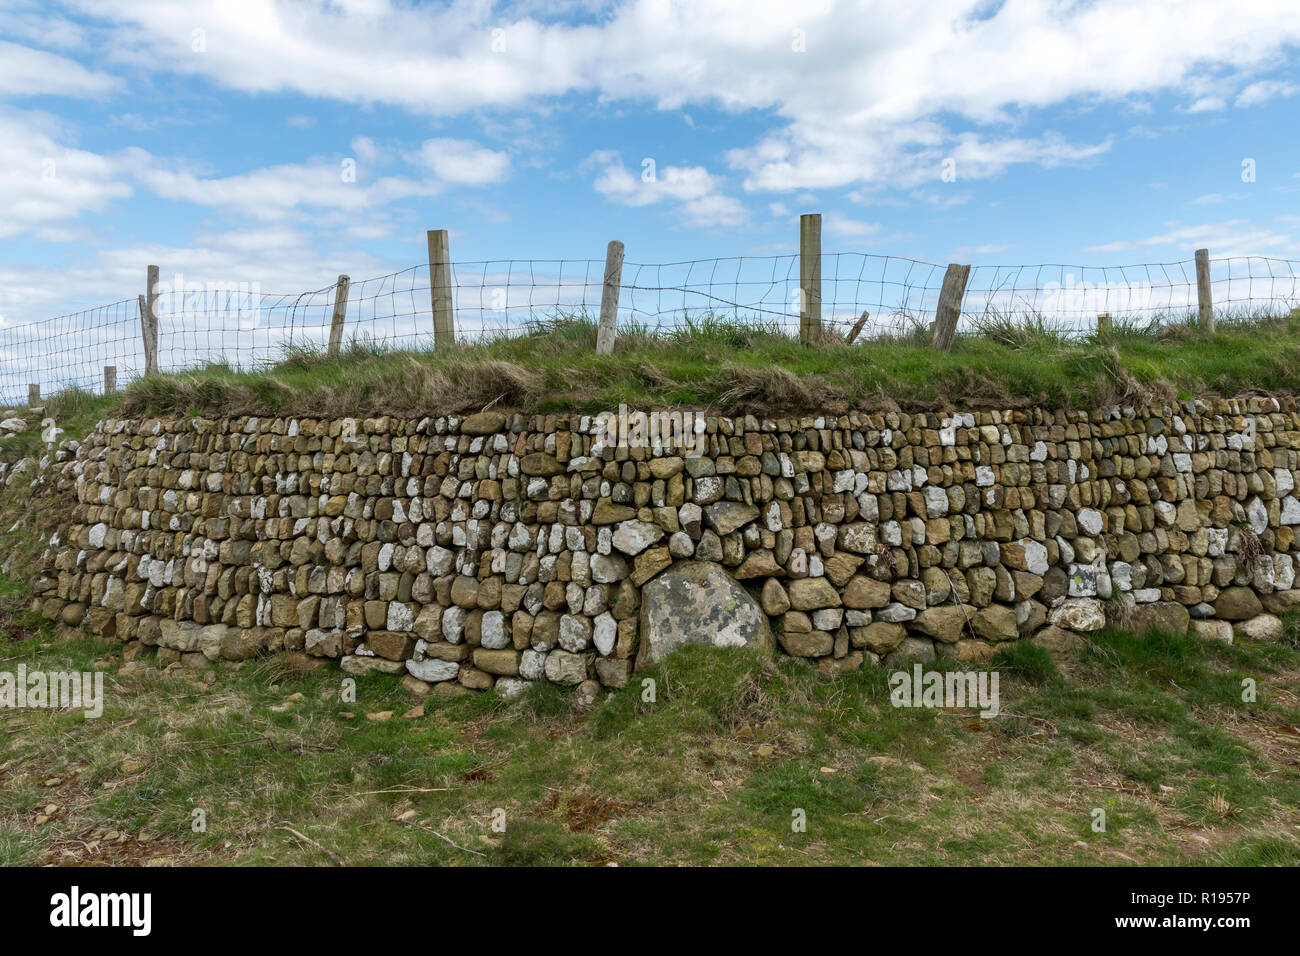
x=697, y=602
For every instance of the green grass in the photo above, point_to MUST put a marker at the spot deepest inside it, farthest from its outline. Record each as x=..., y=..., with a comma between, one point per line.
x=713, y=767
x=736, y=366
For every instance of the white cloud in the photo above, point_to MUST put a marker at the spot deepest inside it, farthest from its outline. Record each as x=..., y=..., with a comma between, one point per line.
x=1235, y=237
x=274, y=192
x=693, y=189
x=25, y=71
x=837, y=225
x=47, y=183
x=1263, y=91
x=464, y=162
x=875, y=99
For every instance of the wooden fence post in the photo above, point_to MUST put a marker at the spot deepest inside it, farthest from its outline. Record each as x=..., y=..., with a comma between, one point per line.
x=608, y=329
x=1204, y=300
x=810, y=278
x=948, y=310
x=1103, y=325
x=340, y=314
x=149, y=321
x=110, y=379
x=444, y=323
x=33, y=395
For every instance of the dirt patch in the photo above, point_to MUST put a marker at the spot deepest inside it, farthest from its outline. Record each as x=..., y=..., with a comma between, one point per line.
x=581, y=811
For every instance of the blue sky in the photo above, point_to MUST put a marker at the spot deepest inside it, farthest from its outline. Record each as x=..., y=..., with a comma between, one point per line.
x=214, y=138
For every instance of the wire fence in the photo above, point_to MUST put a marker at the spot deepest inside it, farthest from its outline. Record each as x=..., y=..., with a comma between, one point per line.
x=245, y=328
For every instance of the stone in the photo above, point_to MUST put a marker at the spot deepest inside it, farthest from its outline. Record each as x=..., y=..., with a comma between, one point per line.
x=1214, y=630
x=1238, y=604
x=432, y=671
x=633, y=537
x=946, y=623
x=649, y=563
x=613, y=672
x=774, y=599
x=1026, y=555
x=562, y=667
x=967, y=650
x=575, y=633
x=879, y=637
x=697, y=602
x=997, y=622
x=1279, y=602
x=607, y=512
x=809, y=644
x=1058, y=641
x=724, y=517
x=912, y=650
x=484, y=423
x=502, y=662
x=1078, y=614
x=864, y=593
x=608, y=568
x=1262, y=627
x=1168, y=617
x=492, y=631
x=360, y=666
x=810, y=594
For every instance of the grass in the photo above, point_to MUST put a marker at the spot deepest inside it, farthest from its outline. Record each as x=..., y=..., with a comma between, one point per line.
x=729, y=751
x=713, y=767
x=734, y=366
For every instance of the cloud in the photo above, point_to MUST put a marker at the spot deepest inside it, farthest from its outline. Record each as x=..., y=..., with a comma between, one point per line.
x=28, y=72
x=1235, y=237
x=837, y=225
x=1263, y=91
x=881, y=91
x=1214, y=198
x=464, y=162
x=692, y=189
x=47, y=183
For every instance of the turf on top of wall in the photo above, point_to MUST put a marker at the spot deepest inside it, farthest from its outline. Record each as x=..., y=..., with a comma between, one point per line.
x=733, y=368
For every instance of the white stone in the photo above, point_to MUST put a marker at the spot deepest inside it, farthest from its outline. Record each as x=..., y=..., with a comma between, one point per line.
x=1078, y=614
x=493, y=632
x=575, y=633
x=1091, y=521
x=605, y=633
x=532, y=664
x=433, y=671
x=633, y=537
x=400, y=616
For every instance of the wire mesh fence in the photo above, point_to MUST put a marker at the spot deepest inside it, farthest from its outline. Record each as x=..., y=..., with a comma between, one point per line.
x=245, y=328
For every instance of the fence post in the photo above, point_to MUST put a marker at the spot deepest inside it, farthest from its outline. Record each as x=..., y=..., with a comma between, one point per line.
x=110, y=379
x=608, y=329
x=340, y=313
x=810, y=278
x=1203, y=297
x=33, y=395
x=444, y=328
x=948, y=310
x=149, y=321
x=1103, y=325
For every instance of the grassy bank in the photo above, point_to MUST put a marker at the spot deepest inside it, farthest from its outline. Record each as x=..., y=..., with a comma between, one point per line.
x=741, y=367
x=1151, y=731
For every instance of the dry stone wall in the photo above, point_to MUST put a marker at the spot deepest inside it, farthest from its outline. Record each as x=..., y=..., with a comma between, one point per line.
x=463, y=553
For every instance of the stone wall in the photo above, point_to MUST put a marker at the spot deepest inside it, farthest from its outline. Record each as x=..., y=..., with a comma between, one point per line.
x=495, y=549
